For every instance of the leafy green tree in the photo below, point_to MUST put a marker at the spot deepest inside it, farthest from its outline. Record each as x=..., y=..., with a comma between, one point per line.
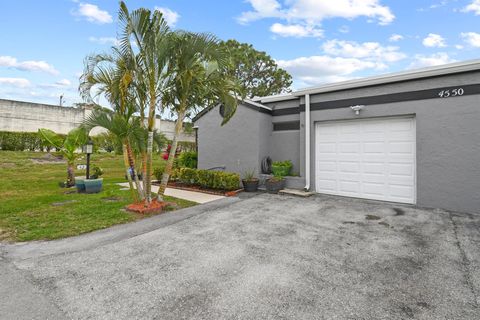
x=257, y=72
x=196, y=79
x=67, y=146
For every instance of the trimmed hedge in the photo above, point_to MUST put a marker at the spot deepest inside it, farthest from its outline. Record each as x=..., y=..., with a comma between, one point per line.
x=207, y=178
x=22, y=141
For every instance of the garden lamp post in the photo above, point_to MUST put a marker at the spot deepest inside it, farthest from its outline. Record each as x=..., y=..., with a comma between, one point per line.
x=88, y=149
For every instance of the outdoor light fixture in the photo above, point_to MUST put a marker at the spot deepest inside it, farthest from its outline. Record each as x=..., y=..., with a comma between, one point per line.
x=88, y=149
x=357, y=109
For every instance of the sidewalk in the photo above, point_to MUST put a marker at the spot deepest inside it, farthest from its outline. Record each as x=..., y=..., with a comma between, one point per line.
x=197, y=197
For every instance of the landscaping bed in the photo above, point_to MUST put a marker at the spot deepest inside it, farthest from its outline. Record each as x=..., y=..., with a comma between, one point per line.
x=33, y=207
x=196, y=188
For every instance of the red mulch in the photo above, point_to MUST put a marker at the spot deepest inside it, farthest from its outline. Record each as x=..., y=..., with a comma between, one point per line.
x=188, y=187
x=154, y=207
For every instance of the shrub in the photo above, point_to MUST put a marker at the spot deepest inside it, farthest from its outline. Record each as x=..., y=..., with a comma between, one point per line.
x=282, y=168
x=22, y=141
x=97, y=172
x=188, y=159
x=158, y=172
x=207, y=179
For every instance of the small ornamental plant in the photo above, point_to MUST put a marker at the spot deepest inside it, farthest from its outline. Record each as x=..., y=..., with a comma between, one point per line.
x=249, y=181
x=97, y=172
x=282, y=168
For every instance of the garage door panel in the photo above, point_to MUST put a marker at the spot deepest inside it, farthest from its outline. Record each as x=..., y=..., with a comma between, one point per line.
x=400, y=147
x=349, y=186
x=366, y=158
x=349, y=166
x=327, y=185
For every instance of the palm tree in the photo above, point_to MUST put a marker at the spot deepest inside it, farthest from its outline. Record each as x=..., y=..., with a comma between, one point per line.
x=112, y=76
x=67, y=146
x=197, y=79
x=150, y=35
x=126, y=128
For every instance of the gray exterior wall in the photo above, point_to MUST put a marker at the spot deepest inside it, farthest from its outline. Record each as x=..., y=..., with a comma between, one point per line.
x=239, y=145
x=447, y=137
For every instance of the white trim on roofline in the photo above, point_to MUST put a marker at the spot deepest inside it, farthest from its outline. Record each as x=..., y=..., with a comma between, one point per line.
x=451, y=68
x=277, y=97
x=256, y=104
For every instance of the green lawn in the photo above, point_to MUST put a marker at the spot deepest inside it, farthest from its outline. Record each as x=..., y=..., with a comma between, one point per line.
x=34, y=207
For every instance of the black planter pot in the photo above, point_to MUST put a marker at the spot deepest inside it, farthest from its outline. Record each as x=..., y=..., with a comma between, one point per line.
x=250, y=185
x=274, y=185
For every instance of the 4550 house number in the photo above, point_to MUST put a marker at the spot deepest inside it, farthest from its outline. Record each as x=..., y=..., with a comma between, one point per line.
x=451, y=93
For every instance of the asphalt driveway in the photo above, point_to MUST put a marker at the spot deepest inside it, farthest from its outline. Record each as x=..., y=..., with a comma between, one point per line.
x=264, y=257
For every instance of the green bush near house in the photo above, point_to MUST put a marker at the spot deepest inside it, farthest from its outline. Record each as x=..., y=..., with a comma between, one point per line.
x=158, y=171
x=207, y=179
x=188, y=159
x=282, y=168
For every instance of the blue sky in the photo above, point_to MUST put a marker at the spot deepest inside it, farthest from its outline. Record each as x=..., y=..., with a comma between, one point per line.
x=43, y=43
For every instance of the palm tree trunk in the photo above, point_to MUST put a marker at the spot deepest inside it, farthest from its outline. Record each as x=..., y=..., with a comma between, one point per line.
x=70, y=174
x=131, y=162
x=171, y=156
x=128, y=172
x=148, y=171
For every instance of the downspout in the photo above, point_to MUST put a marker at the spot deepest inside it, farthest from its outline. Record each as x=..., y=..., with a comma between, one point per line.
x=307, y=142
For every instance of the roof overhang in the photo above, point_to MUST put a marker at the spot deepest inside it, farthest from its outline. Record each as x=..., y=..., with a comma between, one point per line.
x=452, y=68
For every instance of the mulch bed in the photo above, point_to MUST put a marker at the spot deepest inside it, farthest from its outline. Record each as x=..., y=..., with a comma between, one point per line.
x=188, y=187
x=154, y=207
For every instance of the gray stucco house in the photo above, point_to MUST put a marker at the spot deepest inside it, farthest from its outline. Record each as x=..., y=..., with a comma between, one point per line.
x=411, y=137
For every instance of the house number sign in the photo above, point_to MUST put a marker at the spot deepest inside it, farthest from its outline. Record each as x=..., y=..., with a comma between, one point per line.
x=451, y=93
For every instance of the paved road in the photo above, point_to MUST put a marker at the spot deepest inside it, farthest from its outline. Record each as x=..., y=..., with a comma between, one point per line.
x=264, y=257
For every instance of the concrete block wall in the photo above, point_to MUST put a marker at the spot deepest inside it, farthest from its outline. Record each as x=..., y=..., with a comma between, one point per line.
x=19, y=116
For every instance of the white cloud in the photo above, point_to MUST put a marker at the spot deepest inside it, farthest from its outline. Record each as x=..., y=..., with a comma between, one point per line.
x=324, y=69
x=344, y=29
x=93, y=13
x=311, y=13
x=64, y=82
x=472, y=38
x=29, y=65
x=295, y=30
x=15, y=82
x=473, y=7
x=395, y=37
x=104, y=40
x=459, y=47
x=434, y=40
x=436, y=59
x=170, y=16
x=371, y=51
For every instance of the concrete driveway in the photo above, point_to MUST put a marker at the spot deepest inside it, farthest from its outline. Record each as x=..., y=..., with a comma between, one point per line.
x=264, y=257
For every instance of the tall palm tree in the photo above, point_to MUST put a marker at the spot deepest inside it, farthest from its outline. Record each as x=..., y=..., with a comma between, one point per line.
x=149, y=33
x=112, y=76
x=197, y=79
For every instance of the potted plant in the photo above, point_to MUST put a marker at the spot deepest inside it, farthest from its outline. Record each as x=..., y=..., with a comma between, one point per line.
x=80, y=184
x=282, y=168
x=94, y=183
x=275, y=183
x=250, y=183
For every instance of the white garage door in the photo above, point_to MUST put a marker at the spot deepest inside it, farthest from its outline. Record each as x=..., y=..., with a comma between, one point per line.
x=370, y=158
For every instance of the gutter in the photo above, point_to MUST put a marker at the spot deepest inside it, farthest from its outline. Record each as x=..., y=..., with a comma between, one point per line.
x=307, y=142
